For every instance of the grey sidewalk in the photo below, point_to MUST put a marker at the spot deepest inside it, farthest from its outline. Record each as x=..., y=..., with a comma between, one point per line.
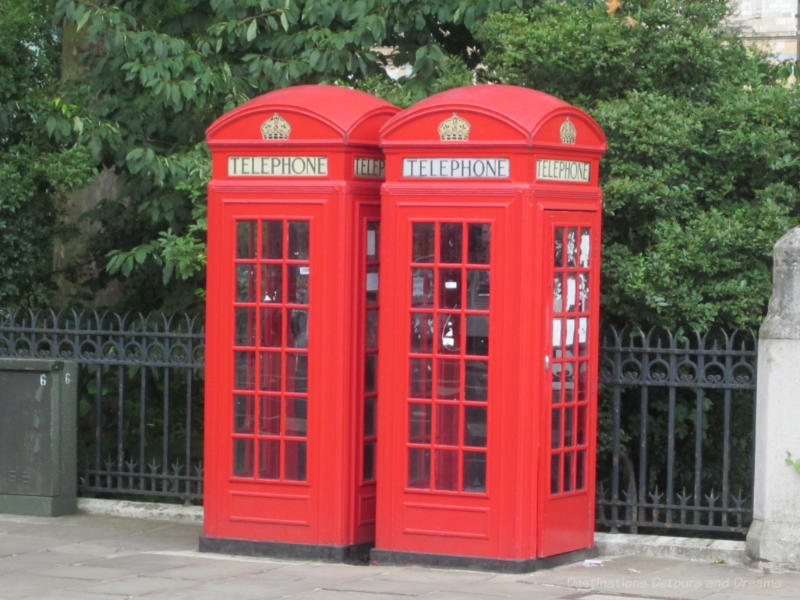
x=94, y=556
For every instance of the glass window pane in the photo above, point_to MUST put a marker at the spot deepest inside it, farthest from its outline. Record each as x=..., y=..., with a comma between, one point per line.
x=449, y=288
x=270, y=417
x=478, y=289
x=245, y=239
x=555, y=473
x=297, y=333
x=479, y=240
x=583, y=336
x=572, y=248
x=269, y=459
x=242, y=457
x=272, y=239
x=448, y=379
x=419, y=468
x=271, y=327
x=369, y=416
x=422, y=288
x=585, y=247
x=475, y=426
x=294, y=468
x=245, y=283
x=582, y=424
x=296, y=416
x=296, y=372
x=583, y=375
x=558, y=294
x=373, y=240
x=422, y=242
x=245, y=332
x=474, y=471
x=555, y=428
x=369, y=461
x=421, y=332
x=446, y=470
x=568, y=457
x=572, y=292
x=447, y=424
x=569, y=382
x=568, y=429
x=449, y=333
x=372, y=283
x=478, y=335
x=271, y=283
x=243, y=415
x=558, y=247
x=476, y=376
x=450, y=243
x=298, y=240
x=556, y=337
x=580, y=470
x=370, y=368
x=270, y=371
x=583, y=292
x=420, y=375
x=244, y=370
x=419, y=423
x=371, y=331
x=298, y=284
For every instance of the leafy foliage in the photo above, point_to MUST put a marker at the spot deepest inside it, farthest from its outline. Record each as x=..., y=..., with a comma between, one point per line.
x=158, y=72
x=39, y=159
x=700, y=178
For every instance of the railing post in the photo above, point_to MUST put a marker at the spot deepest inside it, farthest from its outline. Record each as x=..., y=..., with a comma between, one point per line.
x=775, y=532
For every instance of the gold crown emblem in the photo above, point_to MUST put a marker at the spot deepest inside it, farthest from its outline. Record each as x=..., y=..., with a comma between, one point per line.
x=454, y=128
x=275, y=128
x=568, y=132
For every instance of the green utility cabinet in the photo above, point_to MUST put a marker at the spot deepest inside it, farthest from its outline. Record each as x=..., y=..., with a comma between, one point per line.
x=38, y=420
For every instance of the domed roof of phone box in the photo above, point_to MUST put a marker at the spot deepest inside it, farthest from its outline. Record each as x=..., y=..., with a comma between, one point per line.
x=503, y=114
x=316, y=114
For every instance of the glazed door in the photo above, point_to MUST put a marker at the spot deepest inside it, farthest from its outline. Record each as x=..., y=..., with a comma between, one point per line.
x=569, y=394
x=442, y=482
x=272, y=399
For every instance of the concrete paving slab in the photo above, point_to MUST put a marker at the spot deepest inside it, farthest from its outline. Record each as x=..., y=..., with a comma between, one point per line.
x=140, y=562
x=259, y=586
x=110, y=557
x=13, y=586
x=216, y=570
x=135, y=586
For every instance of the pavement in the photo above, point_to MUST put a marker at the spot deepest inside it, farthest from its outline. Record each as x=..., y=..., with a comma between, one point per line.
x=94, y=555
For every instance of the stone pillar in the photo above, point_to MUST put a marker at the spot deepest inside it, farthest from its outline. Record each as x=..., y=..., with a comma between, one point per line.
x=775, y=532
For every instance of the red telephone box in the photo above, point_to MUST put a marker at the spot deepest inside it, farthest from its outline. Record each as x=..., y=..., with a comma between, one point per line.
x=291, y=342
x=489, y=320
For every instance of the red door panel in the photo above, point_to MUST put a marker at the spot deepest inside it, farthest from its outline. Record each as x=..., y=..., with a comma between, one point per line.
x=569, y=392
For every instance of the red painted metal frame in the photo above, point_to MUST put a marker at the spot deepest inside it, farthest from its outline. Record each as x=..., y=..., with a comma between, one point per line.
x=328, y=504
x=516, y=518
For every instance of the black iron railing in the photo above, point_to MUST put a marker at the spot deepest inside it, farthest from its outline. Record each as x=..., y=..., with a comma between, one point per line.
x=677, y=430
x=140, y=395
x=675, y=441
